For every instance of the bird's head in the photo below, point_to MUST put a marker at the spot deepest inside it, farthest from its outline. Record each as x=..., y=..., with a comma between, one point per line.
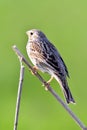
x=35, y=34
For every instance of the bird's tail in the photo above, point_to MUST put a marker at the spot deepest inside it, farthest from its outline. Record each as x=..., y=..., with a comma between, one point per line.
x=67, y=94
x=64, y=85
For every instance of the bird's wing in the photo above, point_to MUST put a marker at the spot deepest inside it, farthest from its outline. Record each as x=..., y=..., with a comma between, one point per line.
x=54, y=59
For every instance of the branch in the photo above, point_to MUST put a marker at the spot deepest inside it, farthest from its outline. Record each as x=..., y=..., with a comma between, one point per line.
x=19, y=94
x=65, y=106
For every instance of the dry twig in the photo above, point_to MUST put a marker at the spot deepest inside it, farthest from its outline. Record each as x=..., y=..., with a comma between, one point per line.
x=19, y=94
x=65, y=106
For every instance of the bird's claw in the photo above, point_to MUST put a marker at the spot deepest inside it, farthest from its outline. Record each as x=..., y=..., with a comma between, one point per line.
x=34, y=70
x=46, y=84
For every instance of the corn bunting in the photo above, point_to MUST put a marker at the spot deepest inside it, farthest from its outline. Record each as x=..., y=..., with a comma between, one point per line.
x=45, y=57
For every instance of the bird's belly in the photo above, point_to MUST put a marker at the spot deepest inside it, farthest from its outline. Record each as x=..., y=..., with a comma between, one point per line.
x=33, y=61
x=44, y=68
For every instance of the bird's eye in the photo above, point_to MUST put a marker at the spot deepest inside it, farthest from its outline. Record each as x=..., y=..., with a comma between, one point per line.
x=31, y=33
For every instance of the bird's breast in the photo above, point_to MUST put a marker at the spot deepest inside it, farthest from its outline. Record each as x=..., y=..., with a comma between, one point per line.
x=31, y=53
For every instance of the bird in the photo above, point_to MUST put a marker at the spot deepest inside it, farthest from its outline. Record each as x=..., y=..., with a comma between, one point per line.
x=46, y=58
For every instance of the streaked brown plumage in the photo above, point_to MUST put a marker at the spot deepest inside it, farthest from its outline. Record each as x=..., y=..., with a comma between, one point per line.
x=46, y=58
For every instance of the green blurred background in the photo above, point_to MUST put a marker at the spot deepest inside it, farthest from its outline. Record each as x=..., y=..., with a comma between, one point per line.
x=65, y=24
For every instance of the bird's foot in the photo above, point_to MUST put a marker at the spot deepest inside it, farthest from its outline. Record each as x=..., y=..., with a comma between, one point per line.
x=34, y=70
x=46, y=84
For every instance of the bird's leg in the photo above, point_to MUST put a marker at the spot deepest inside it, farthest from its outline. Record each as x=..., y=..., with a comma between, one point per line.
x=46, y=84
x=50, y=79
x=34, y=70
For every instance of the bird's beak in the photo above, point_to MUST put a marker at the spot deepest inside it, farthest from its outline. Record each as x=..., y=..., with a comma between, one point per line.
x=27, y=32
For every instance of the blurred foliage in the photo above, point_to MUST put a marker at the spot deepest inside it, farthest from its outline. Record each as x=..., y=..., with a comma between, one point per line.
x=65, y=24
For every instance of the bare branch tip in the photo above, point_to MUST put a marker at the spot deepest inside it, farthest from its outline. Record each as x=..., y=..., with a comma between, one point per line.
x=14, y=46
